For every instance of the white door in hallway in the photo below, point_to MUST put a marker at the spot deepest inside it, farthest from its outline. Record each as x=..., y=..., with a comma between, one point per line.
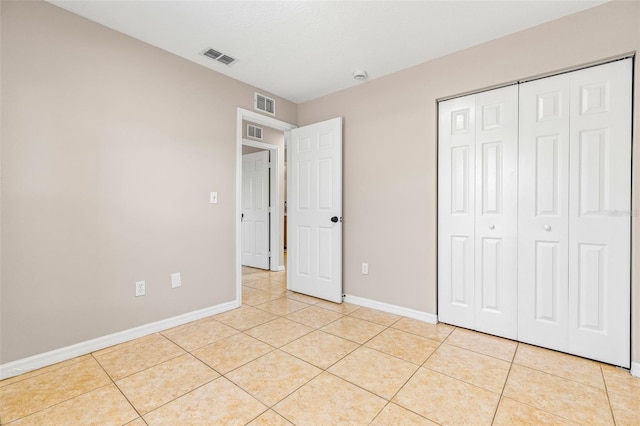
x=314, y=210
x=255, y=210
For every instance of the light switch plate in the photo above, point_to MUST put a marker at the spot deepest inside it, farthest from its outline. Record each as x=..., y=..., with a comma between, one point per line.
x=213, y=198
x=176, y=280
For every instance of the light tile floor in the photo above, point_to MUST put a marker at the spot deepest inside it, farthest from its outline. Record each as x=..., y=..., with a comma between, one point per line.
x=285, y=358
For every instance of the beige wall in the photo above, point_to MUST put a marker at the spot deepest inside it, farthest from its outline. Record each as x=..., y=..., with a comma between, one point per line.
x=390, y=147
x=110, y=148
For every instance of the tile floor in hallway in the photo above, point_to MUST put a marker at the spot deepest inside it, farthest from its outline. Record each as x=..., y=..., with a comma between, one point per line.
x=284, y=358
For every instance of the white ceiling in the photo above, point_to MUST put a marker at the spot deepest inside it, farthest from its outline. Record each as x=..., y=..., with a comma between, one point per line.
x=301, y=50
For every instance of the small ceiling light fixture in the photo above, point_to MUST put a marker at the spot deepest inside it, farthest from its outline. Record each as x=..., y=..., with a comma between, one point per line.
x=360, y=75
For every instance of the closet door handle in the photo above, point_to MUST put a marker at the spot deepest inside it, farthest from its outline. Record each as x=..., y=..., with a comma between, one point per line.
x=492, y=226
x=547, y=228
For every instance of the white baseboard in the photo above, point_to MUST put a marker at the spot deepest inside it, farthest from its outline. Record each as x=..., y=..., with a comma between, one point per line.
x=24, y=365
x=635, y=369
x=392, y=309
x=278, y=268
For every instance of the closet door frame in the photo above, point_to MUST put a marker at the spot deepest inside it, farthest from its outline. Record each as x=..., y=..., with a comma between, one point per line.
x=577, y=328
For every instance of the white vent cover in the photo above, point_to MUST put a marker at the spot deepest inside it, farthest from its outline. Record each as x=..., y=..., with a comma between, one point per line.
x=219, y=56
x=262, y=103
x=254, y=131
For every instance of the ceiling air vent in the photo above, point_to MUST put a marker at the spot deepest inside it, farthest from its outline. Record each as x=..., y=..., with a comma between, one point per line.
x=262, y=103
x=254, y=131
x=219, y=56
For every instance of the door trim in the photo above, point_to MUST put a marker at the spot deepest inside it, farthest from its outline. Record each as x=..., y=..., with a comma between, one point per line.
x=254, y=117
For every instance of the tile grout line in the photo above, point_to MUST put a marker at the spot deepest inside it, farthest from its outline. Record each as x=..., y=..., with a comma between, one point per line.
x=513, y=362
x=606, y=390
x=326, y=370
x=415, y=372
x=56, y=404
x=119, y=390
x=504, y=385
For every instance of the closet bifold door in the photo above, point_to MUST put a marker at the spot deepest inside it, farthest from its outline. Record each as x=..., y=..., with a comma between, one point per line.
x=543, y=196
x=456, y=211
x=496, y=226
x=574, y=227
x=600, y=213
x=477, y=211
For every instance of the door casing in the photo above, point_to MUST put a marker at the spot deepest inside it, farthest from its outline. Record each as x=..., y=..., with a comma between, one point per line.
x=254, y=117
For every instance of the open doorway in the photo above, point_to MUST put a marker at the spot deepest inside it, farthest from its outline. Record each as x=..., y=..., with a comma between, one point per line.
x=273, y=140
x=263, y=189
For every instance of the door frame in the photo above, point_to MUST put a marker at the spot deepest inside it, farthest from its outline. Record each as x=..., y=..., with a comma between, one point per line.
x=274, y=202
x=635, y=365
x=254, y=117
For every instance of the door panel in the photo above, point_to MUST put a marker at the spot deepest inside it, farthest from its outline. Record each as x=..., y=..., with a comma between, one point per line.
x=543, y=233
x=314, y=198
x=546, y=282
x=491, y=282
x=460, y=175
x=600, y=213
x=255, y=210
x=456, y=211
x=496, y=212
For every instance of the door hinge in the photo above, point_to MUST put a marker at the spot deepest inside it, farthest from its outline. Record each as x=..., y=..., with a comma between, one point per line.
x=269, y=254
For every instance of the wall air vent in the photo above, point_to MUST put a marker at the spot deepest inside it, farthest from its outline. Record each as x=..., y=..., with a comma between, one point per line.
x=262, y=103
x=219, y=56
x=254, y=132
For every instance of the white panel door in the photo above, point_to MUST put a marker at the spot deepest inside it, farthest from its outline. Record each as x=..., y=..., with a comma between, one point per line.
x=543, y=228
x=314, y=210
x=600, y=213
x=255, y=210
x=574, y=213
x=456, y=211
x=496, y=210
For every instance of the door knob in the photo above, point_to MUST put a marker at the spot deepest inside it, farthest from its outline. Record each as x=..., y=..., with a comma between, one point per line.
x=492, y=226
x=335, y=219
x=547, y=228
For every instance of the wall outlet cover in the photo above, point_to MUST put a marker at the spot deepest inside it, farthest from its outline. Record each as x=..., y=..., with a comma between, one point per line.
x=140, y=288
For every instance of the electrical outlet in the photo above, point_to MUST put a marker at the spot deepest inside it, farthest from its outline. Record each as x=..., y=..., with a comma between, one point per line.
x=213, y=198
x=365, y=268
x=176, y=280
x=140, y=288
